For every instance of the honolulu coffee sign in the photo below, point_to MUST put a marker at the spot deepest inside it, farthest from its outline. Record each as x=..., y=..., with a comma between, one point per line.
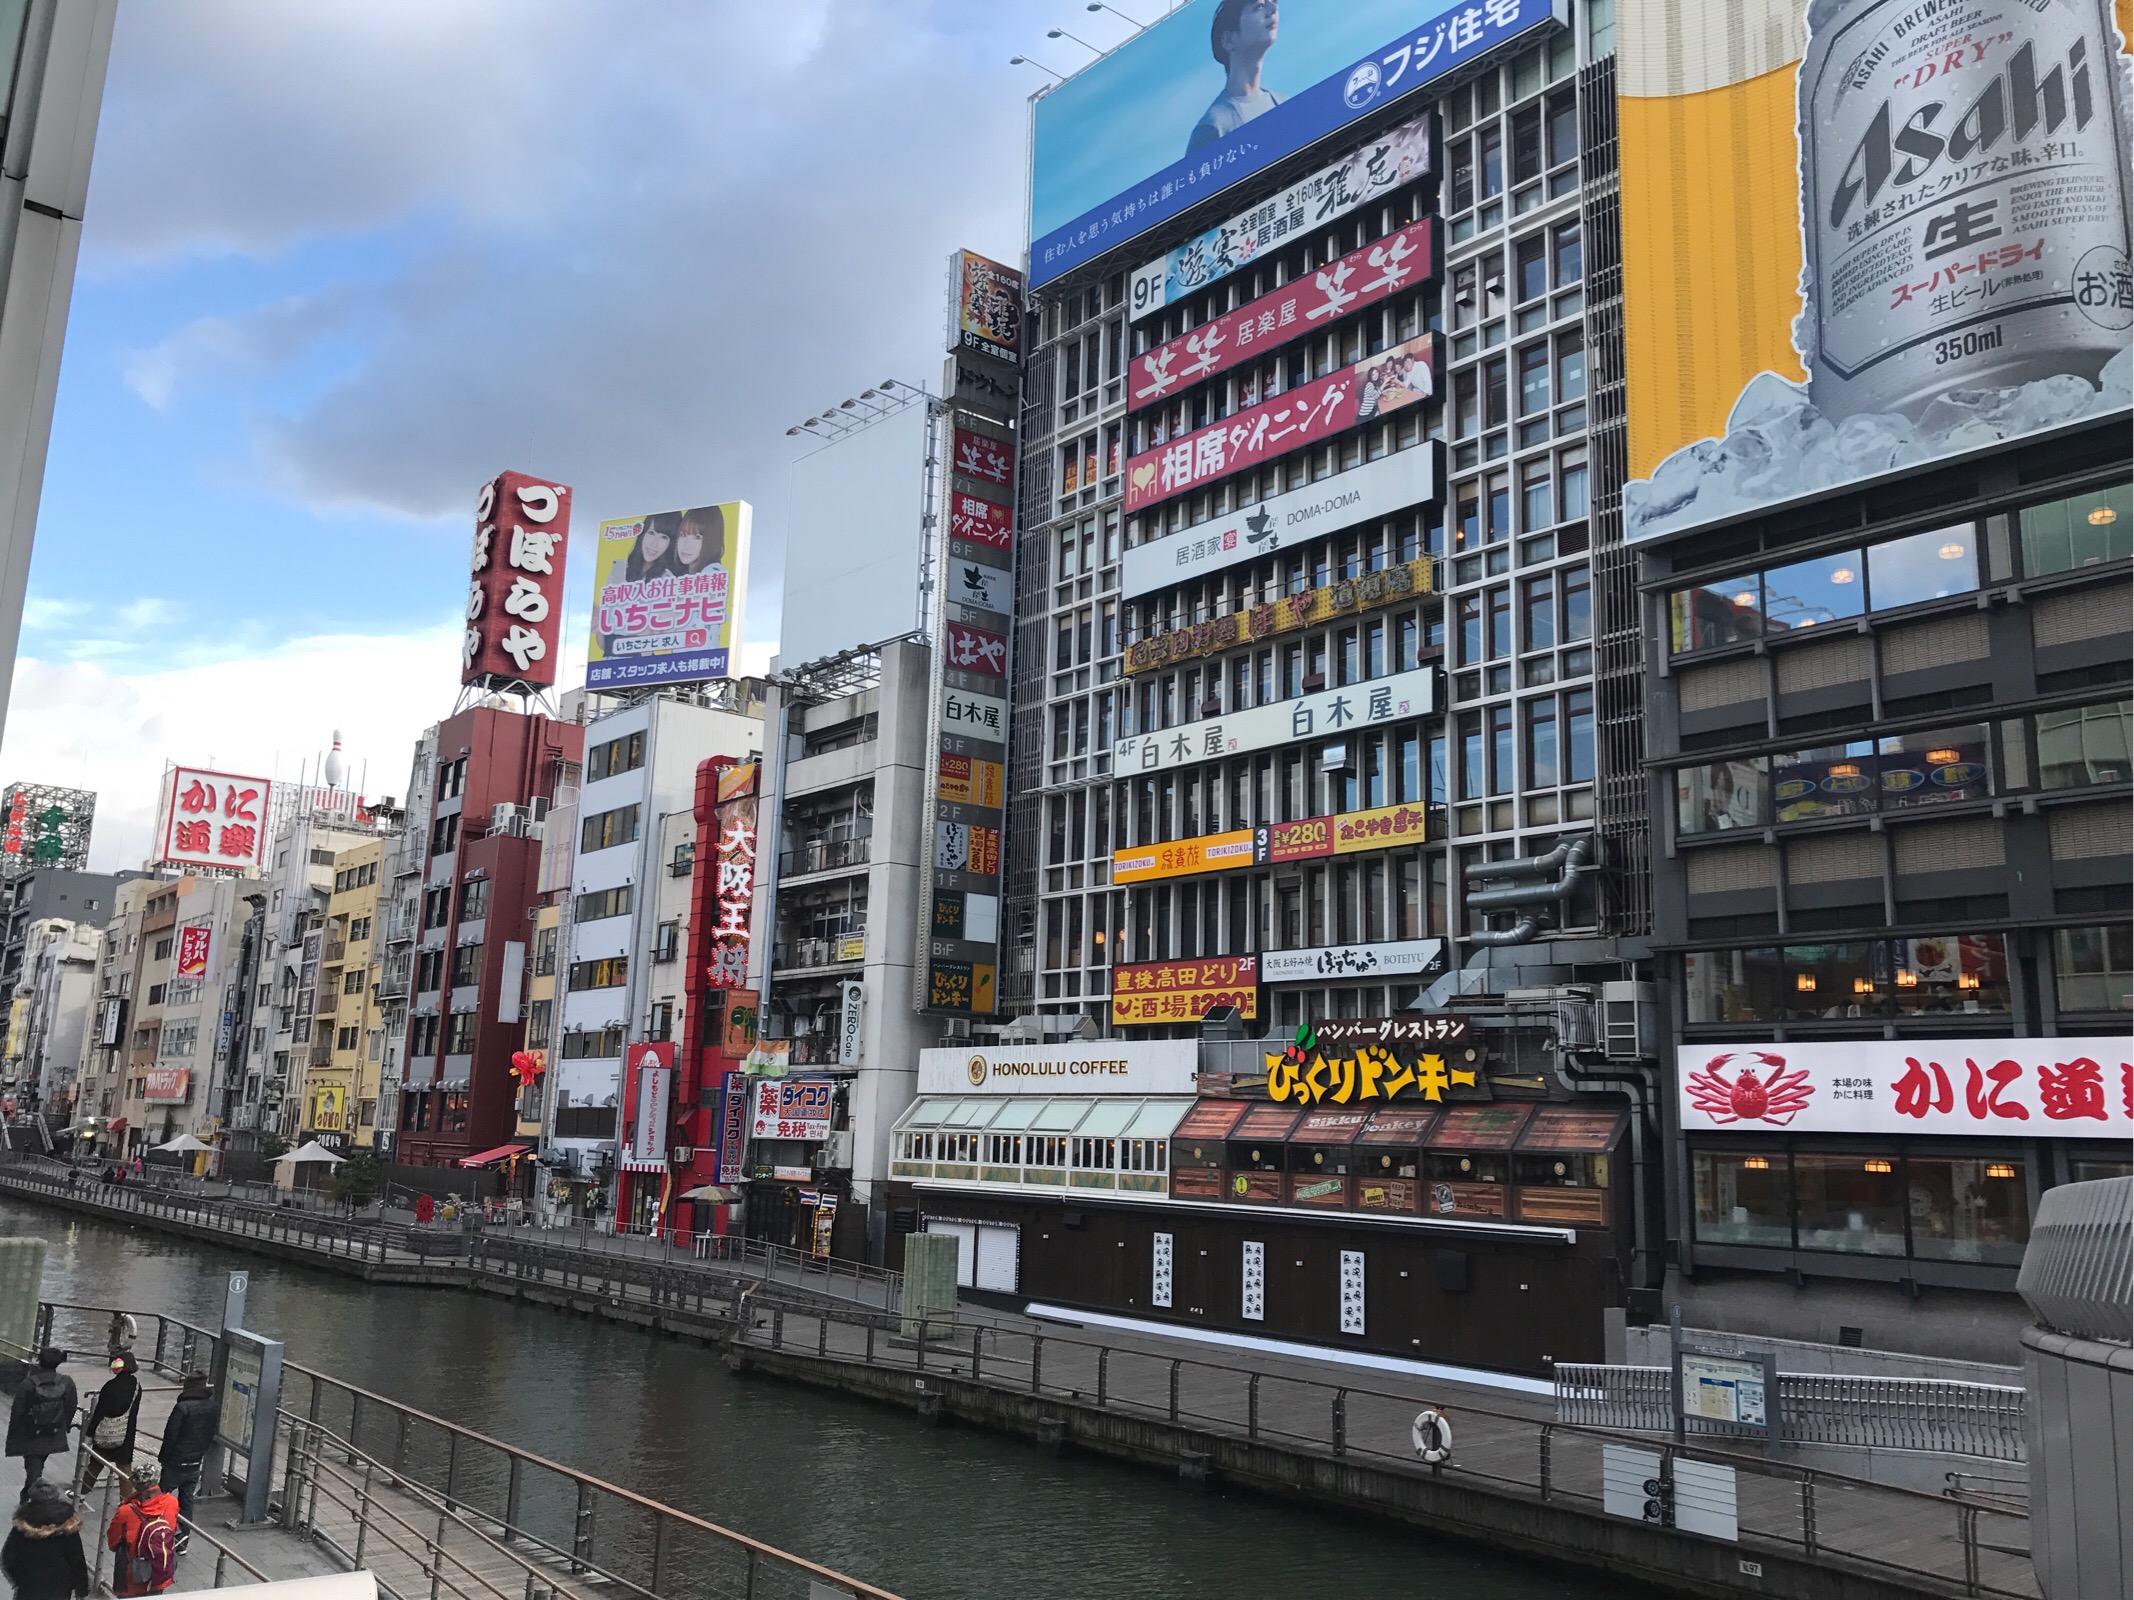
x=1109, y=1066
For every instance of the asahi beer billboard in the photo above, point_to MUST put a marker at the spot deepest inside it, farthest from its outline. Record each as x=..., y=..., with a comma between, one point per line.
x=1860, y=235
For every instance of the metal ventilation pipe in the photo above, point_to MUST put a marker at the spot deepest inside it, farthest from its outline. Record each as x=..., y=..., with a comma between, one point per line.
x=1571, y=862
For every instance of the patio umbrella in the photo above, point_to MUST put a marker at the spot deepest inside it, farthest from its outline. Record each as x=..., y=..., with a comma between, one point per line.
x=314, y=1151
x=712, y=1192
x=185, y=1144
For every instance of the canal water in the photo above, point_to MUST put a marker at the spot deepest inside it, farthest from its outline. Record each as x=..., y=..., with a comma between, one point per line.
x=947, y=1513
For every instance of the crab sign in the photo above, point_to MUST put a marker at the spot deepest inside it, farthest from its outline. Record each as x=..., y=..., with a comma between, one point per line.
x=1777, y=1097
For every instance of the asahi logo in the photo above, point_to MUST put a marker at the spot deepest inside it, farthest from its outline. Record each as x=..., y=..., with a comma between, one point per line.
x=2014, y=99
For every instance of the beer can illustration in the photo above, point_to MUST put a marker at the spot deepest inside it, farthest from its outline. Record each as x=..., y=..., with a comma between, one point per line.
x=1964, y=205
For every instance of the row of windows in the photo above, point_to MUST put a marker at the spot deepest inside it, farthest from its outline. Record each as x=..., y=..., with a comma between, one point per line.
x=592, y=1044
x=457, y=1031
x=617, y=756
x=611, y=972
x=602, y=903
x=2077, y=748
x=2081, y=530
x=1355, y=652
x=605, y=829
x=355, y=877
x=1036, y=1150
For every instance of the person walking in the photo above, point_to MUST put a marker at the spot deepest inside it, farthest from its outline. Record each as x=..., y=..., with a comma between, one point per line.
x=187, y=1433
x=144, y=1533
x=43, y=1412
x=114, y=1415
x=43, y=1556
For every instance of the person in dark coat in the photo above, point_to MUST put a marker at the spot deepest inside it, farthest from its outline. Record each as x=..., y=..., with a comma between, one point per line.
x=113, y=1416
x=43, y=1556
x=43, y=1412
x=188, y=1432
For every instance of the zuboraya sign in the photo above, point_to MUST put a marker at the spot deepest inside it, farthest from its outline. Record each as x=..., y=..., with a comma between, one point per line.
x=1377, y=489
x=1107, y=1066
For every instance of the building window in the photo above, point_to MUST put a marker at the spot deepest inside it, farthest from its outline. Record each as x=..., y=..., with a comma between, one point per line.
x=611, y=973
x=602, y=903
x=466, y=966
x=429, y=970
x=617, y=756
x=667, y=942
x=1843, y=981
x=2085, y=746
x=605, y=829
x=436, y=906
x=1744, y=1199
x=346, y=1038
x=352, y=981
x=161, y=951
x=2093, y=968
x=2083, y=530
x=659, y=1025
x=592, y=1044
x=459, y=1034
x=444, y=834
x=474, y=900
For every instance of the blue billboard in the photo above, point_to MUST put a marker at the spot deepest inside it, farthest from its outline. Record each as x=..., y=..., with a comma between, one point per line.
x=1222, y=89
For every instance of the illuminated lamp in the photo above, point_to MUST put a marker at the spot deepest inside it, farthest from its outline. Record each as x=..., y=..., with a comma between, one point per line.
x=1943, y=758
x=1967, y=980
x=1999, y=1169
x=2102, y=515
x=1842, y=575
x=1756, y=1164
x=1862, y=986
x=1878, y=1164
x=1907, y=979
x=1745, y=598
x=1805, y=982
x=1954, y=552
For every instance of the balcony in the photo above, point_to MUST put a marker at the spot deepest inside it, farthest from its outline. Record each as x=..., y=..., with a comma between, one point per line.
x=812, y=954
x=825, y=855
x=336, y=949
x=321, y=1048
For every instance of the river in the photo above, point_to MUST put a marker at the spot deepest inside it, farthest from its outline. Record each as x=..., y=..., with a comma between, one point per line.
x=947, y=1513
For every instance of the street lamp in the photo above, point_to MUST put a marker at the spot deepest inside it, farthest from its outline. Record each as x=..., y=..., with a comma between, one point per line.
x=1025, y=61
x=1099, y=5
x=1062, y=33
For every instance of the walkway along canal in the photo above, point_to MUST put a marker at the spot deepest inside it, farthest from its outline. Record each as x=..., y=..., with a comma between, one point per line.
x=1301, y=1430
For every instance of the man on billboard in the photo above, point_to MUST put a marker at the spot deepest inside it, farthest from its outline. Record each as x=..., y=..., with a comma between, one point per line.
x=1239, y=38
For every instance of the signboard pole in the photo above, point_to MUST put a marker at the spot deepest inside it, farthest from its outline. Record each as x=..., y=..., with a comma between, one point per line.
x=1674, y=1368
x=248, y=1405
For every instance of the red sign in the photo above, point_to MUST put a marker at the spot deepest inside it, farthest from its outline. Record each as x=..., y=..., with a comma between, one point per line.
x=167, y=1086
x=1308, y=414
x=193, y=942
x=983, y=457
x=1301, y=840
x=980, y=521
x=977, y=650
x=1360, y=278
x=515, y=595
x=213, y=819
x=1184, y=991
x=734, y=895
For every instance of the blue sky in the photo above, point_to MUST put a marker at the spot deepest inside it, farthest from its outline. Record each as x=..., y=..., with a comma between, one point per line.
x=344, y=261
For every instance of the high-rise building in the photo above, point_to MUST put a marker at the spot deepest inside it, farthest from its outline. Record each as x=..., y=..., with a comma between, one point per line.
x=495, y=772
x=339, y=1107
x=52, y=59
x=41, y=895
x=52, y=1005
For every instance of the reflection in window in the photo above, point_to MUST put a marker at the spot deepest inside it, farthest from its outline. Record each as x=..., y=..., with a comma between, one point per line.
x=1851, y=1203
x=1835, y=780
x=1725, y=613
x=1720, y=796
x=2080, y=531
x=1744, y=1199
x=1926, y=566
x=2084, y=746
x=1923, y=769
x=2093, y=968
x=1939, y=974
x=1810, y=593
x=1968, y=1209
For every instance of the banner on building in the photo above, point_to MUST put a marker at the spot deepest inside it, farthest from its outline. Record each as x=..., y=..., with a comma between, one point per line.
x=44, y=827
x=1346, y=963
x=1289, y=613
x=668, y=589
x=1325, y=714
x=212, y=819
x=1155, y=127
x=1184, y=991
x=851, y=1010
x=651, y=1095
x=1309, y=414
x=792, y=1108
x=734, y=892
x=167, y=1086
x=522, y=529
x=2070, y=1088
x=1403, y=259
x=728, y=1158
x=195, y=939
x=985, y=306
x=1857, y=247
x=1108, y=1066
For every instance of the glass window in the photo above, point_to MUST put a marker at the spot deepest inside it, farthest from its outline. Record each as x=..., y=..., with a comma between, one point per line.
x=1810, y=593
x=1534, y=379
x=1577, y=605
x=2080, y=531
x=1968, y=1208
x=1852, y=1203
x=2084, y=746
x=1541, y=763
x=1530, y=268
x=1571, y=488
x=1570, y=366
x=1570, y=257
x=1926, y=566
x=1719, y=796
x=1721, y=614
x=1467, y=620
x=1501, y=777
x=1578, y=715
x=1470, y=755
x=1744, y=1198
x=1537, y=502
x=1540, y=601
x=2093, y=968
x=1924, y=769
x=1733, y=985
x=1836, y=780
x=1500, y=621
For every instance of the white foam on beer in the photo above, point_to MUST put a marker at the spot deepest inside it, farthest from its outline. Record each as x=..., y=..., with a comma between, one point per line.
x=1778, y=446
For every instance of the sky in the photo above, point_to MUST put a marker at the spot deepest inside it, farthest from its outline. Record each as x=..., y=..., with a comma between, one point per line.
x=344, y=261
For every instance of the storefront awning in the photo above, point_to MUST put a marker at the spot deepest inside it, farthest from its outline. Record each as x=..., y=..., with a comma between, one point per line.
x=1095, y=1116
x=489, y=1158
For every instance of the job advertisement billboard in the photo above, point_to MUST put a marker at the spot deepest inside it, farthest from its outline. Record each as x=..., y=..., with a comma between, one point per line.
x=1873, y=235
x=667, y=593
x=1222, y=89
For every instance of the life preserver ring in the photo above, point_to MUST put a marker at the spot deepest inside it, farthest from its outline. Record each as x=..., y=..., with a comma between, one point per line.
x=1431, y=1434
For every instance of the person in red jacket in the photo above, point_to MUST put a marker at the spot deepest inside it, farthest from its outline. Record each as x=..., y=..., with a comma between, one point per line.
x=144, y=1532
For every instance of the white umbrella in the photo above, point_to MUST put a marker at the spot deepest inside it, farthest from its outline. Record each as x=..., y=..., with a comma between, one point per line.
x=314, y=1151
x=185, y=1144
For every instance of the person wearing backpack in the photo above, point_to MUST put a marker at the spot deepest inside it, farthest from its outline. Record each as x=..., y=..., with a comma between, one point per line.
x=43, y=1556
x=188, y=1434
x=144, y=1532
x=113, y=1416
x=43, y=1412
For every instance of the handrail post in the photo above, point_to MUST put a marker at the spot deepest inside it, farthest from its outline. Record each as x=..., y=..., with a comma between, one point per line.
x=582, y=1528
x=659, y=1552
x=452, y=1473
x=1252, y=1407
x=1176, y=1363
x=363, y=1514
x=1037, y=1363
x=1548, y=1440
x=1103, y=1372
x=1967, y=1532
x=1341, y=1422
x=1809, y=1540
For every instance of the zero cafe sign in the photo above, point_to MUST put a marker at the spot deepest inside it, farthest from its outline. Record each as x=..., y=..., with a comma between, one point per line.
x=2070, y=1088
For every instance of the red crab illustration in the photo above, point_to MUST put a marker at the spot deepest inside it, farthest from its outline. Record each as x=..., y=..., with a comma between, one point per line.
x=1777, y=1097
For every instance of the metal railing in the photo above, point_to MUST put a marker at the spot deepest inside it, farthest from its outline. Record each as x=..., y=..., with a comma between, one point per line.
x=1930, y=1540
x=825, y=855
x=380, y=1483
x=1932, y=1414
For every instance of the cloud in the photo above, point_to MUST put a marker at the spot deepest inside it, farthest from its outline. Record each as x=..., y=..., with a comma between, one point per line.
x=262, y=340
x=85, y=725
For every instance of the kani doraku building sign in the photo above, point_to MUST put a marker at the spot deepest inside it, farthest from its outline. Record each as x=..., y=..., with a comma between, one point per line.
x=1111, y=1066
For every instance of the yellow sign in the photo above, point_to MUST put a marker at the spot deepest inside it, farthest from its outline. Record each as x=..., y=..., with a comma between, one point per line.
x=1372, y=1073
x=326, y=1110
x=1345, y=833
x=1211, y=852
x=1285, y=615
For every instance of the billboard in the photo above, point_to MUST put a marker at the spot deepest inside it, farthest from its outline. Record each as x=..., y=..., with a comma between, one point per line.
x=2018, y=1088
x=651, y=1093
x=1110, y=1066
x=1326, y=714
x=195, y=940
x=986, y=306
x=1848, y=249
x=44, y=827
x=791, y=1108
x=522, y=529
x=167, y=1086
x=1184, y=991
x=212, y=819
x=1220, y=90
x=667, y=593
x=1272, y=843
x=855, y=525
